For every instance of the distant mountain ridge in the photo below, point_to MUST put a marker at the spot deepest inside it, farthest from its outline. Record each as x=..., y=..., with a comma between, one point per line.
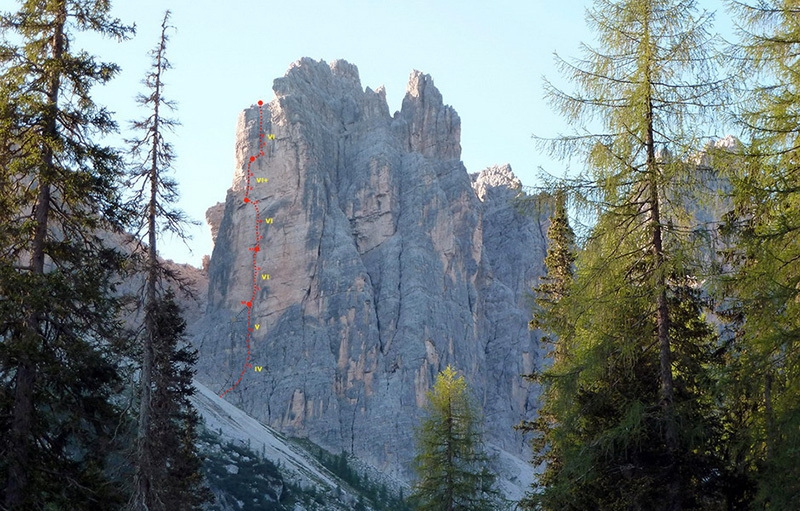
x=383, y=262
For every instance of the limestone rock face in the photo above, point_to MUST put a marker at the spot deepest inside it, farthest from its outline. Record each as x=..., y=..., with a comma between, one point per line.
x=495, y=177
x=214, y=218
x=381, y=266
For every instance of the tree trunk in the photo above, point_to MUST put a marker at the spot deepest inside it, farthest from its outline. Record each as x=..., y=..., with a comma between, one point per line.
x=450, y=457
x=23, y=407
x=770, y=418
x=666, y=391
x=145, y=488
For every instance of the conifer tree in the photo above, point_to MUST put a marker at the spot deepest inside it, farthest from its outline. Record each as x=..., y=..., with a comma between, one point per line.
x=614, y=432
x=560, y=252
x=59, y=336
x=178, y=481
x=559, y=263
x=549, y=317
x=763, y=292
x=450, y=464
x=167, y=467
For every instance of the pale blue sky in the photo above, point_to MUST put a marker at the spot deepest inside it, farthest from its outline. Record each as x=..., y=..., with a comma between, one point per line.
x=486, y=57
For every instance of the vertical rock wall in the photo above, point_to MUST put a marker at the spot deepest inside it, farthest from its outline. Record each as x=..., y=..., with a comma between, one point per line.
x=384, y=266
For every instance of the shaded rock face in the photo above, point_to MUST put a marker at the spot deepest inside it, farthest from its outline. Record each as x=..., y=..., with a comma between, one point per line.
x=383, y=267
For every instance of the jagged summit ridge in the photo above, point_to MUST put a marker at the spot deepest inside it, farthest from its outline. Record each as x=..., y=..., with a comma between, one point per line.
x=384, y=267
x=496, y=176
x=434, y=128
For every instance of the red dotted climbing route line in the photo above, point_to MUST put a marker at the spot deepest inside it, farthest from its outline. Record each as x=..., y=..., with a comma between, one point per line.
x=254, y=249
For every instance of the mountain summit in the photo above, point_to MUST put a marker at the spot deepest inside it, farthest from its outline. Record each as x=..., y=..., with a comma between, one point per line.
x=354, y=260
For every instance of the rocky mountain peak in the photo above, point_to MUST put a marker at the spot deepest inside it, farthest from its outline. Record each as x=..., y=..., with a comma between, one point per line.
x=434, y=129
x=361, y=264
x=496, y=176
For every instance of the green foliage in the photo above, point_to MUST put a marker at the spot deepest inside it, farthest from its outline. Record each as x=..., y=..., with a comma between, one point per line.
x=237, y=473
x=599, y=435
x=762, y=288
x=177, y=477
x=654, y=66
x=450, y=465
x=560, y=252
x=60, y=342
x=380, y=497
x=167, y=474
x=627, y=420
x=559, y=262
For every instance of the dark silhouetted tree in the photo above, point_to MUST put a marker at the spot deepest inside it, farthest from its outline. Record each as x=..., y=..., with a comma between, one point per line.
x=59, y=333
x=167, y=467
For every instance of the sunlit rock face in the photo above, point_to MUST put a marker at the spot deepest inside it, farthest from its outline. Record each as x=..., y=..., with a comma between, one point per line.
x=382, y=265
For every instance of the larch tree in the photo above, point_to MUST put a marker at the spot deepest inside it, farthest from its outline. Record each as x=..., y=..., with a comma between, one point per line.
x=626, y=428
x=167, y=420
x=59, y=332
x=451, y=465
x=763, y=290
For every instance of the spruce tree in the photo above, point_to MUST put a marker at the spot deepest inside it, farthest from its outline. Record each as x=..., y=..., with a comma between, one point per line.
x=59, y=333
x=450, y=464
x=559, y=263
x=167, y=467
x=599, y=434
x=622, y=412
x=177, y=477
x=763, y=291
x=554, y=322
